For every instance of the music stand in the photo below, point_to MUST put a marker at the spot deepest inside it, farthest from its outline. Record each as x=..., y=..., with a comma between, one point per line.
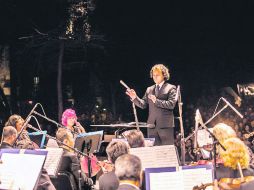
x=38, y=137
x=92, y=138
x=89, y=143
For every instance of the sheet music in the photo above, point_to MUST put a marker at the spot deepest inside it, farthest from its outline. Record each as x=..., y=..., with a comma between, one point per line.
x=53, y=160
x=157, y=156
x=204, y=138
x=149, y=142
x=197, y=176
x=166, y=181
x=7, y=178
x=20, y=171
x=183, y=179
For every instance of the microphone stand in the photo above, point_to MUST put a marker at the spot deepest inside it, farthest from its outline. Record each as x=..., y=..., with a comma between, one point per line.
x=22, y=129
x=208, y=121
x=63, y=144
x=180, y=108
x=135, y=115
x=216, y=143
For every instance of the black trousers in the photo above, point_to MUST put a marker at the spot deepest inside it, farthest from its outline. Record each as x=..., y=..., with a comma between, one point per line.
x=163, y=136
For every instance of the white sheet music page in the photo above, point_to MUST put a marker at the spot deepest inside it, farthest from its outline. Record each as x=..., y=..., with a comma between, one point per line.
x=53, y=160
x=197, y=176
x=166, y=181
x=157, y=156
x=21, y=171
x=204, y=138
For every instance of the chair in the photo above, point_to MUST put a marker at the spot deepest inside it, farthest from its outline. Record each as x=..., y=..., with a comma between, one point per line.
x=64, y=181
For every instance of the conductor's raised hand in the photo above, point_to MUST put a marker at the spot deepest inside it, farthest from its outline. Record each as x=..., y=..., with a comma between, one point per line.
x=131, y=93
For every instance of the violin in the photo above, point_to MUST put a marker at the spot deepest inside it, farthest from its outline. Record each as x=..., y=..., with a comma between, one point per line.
x=206, y=162
x=96, y=165
x=234, y=183
x=202, y=186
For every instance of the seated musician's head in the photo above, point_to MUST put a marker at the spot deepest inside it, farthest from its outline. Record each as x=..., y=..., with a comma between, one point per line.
x=236, y=151
x=16, y=121
x=9, y=134
x=223, y=132
x=65, y=137
x=135, y=138
x=69, y=117
x=116, y=149
x=128, y=168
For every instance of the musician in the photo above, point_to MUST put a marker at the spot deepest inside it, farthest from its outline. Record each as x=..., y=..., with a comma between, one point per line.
x=236, y=152
x=128, y=169
x=223, y=132
x=109, y=181
x=161, y=100
x=70, y=162
x=135, y=138
x=69, y=119
x=9, y=136
x=24, y=141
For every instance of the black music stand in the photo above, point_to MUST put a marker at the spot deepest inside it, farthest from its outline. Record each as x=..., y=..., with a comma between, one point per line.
x=89, y=143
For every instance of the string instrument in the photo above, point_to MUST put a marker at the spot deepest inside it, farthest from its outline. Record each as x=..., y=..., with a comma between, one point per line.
x=234, y=183
x=228, y=183
x=206, y=162
x=96, y=165
x=249, y=135
x=202, y=186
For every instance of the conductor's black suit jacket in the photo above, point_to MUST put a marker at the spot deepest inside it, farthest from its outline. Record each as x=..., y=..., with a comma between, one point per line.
x=160, y=112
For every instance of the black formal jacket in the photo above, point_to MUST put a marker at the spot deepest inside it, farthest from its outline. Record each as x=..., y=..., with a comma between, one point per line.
x=226, y=172
x=5, y=145
x=160, y=112
x=71, y=164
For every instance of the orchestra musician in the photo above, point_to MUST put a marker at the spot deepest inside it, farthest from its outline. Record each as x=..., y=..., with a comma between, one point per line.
x=223, y=132
x=128, y=169
x=69, y=120
x=24, y=141
x=236, y=152
x=109, y=181
x=135, y=138
x=70, y=161
x=9, y=137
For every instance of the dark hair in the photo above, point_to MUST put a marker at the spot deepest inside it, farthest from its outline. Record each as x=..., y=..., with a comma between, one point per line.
x=13, y=119
x=162, y=68
x=116, y=149
x=135, y=138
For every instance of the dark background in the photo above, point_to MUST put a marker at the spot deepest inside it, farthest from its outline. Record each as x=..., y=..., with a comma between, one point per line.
x=205, y=44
